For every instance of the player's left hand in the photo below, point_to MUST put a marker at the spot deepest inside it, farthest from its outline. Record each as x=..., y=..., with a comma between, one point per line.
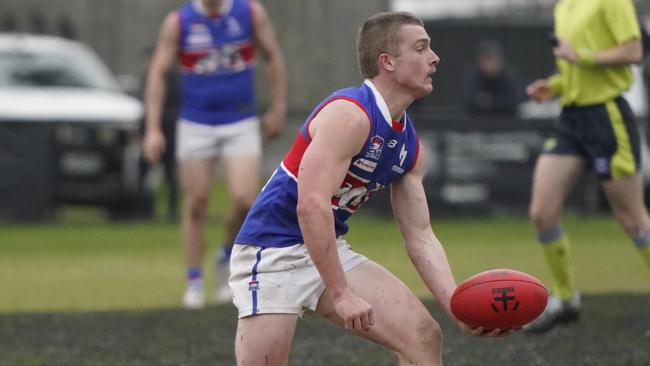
x=273, y=122
x=565, y=51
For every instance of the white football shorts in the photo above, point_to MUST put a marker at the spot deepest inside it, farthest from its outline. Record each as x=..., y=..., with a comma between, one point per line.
x=280, y=280
x=197, y=141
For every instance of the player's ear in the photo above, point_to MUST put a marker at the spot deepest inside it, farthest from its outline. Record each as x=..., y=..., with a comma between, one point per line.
x=386, y=62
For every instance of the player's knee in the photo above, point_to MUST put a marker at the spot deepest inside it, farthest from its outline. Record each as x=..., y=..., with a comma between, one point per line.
x=242, y=203
x=425, y=344
x=543, y=220
x=197, y=204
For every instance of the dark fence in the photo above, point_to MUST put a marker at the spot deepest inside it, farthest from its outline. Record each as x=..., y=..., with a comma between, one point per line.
x=481, y=166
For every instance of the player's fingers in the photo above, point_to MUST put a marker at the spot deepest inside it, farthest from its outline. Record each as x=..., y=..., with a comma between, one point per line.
x=365, y=322
x=477, y=331
x=371, y=318
x=349, y=323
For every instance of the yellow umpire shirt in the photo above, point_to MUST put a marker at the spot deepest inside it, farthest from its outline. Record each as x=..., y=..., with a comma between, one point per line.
x=591, y=26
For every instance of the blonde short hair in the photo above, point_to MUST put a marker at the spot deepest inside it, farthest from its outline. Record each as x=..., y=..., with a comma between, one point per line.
x=379, y=34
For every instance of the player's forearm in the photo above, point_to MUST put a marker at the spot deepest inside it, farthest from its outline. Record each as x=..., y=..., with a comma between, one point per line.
x=430, y=261
x=277, y=80
x=317, y=227
x=154, y=96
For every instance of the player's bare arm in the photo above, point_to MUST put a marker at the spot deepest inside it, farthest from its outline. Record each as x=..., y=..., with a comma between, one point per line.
x=627, y=53
x=162, y=61
x=273, y=119
x=338, y=133
x=411, y=211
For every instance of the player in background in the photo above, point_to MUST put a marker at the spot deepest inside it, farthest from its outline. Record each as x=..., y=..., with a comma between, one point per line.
x=597, y=41
x=216, y=43
x=290, y=255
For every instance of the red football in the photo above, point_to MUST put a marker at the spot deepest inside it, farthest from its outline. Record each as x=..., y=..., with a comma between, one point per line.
x=499, y=298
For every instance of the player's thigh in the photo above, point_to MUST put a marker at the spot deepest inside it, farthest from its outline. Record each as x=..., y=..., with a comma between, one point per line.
x=626, y=199
x=264, y=339
x=241, y=157
x=242, y=174
x=196, y=176
x=553, y=178
x=400, y=318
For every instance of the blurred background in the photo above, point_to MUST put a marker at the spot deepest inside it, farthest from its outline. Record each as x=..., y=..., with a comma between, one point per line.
x=72, y=137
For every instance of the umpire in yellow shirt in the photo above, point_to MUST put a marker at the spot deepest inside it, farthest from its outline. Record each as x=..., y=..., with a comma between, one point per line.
x=596, y=42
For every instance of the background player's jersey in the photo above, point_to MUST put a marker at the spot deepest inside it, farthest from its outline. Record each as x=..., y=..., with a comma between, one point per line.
x=391, y=150
x=216, y=55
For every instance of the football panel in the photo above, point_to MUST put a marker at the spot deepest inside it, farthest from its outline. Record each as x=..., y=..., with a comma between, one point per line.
x=502, y=304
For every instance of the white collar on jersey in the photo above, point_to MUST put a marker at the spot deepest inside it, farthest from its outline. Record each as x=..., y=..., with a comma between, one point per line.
x=381, y=103
x=226, y=5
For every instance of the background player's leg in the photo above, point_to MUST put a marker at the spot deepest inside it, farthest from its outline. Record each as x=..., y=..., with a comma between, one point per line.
x=196, y=180
x=402, y=323
x=626, y=199
x=264, y=339
x=242, y=178
x=553, y=179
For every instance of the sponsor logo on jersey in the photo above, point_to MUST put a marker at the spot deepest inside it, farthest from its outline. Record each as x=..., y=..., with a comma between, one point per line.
x=365, y=164
x=397, y=169
x=377, y=144
x=199, y=36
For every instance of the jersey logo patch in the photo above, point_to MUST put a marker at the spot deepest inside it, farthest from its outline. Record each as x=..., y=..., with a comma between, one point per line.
x=377, y=144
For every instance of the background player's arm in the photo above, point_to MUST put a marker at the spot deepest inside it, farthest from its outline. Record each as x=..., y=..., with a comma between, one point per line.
x=338, y=133
x=265, y=40
x=161, y=63
x=627, y=53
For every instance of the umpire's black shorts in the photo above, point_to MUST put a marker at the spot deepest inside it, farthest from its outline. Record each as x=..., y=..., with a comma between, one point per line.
x=605, y=135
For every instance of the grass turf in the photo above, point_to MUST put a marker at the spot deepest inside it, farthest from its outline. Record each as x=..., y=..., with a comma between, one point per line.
x=613, y=331
x=78, y=265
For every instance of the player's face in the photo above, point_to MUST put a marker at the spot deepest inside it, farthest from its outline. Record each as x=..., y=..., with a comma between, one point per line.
x=416, y=62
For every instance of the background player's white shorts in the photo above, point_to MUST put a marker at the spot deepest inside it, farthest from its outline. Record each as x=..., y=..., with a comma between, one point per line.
x=280, y=280
x=197, y=141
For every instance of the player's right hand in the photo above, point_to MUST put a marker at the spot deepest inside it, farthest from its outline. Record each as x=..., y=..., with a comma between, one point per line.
x=154, y=145
x=481, y=332
x=355, y=311
x=540, y=91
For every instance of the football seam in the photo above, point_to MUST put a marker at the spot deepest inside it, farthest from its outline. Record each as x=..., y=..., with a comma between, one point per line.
x=502, y=280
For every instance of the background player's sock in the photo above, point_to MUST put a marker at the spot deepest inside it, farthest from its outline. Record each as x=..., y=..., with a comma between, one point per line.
x=194, y=277
x=642, y=242
x=557, y=253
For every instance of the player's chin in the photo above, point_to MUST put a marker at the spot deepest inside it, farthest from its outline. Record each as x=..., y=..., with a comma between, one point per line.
x=426, y=89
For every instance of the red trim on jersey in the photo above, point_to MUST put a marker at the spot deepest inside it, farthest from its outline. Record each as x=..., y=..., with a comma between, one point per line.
x=337, y=98
x=247, y=52
x=398, y=126
x=417, y=153
x=294, y=156
x=189, y=58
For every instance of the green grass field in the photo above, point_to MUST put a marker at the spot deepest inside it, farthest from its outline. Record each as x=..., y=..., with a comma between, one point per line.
x=84, y=263
x=84, y=291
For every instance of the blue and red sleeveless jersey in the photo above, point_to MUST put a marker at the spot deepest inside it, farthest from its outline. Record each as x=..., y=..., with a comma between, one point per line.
x=390, y=151
x=216, y=56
